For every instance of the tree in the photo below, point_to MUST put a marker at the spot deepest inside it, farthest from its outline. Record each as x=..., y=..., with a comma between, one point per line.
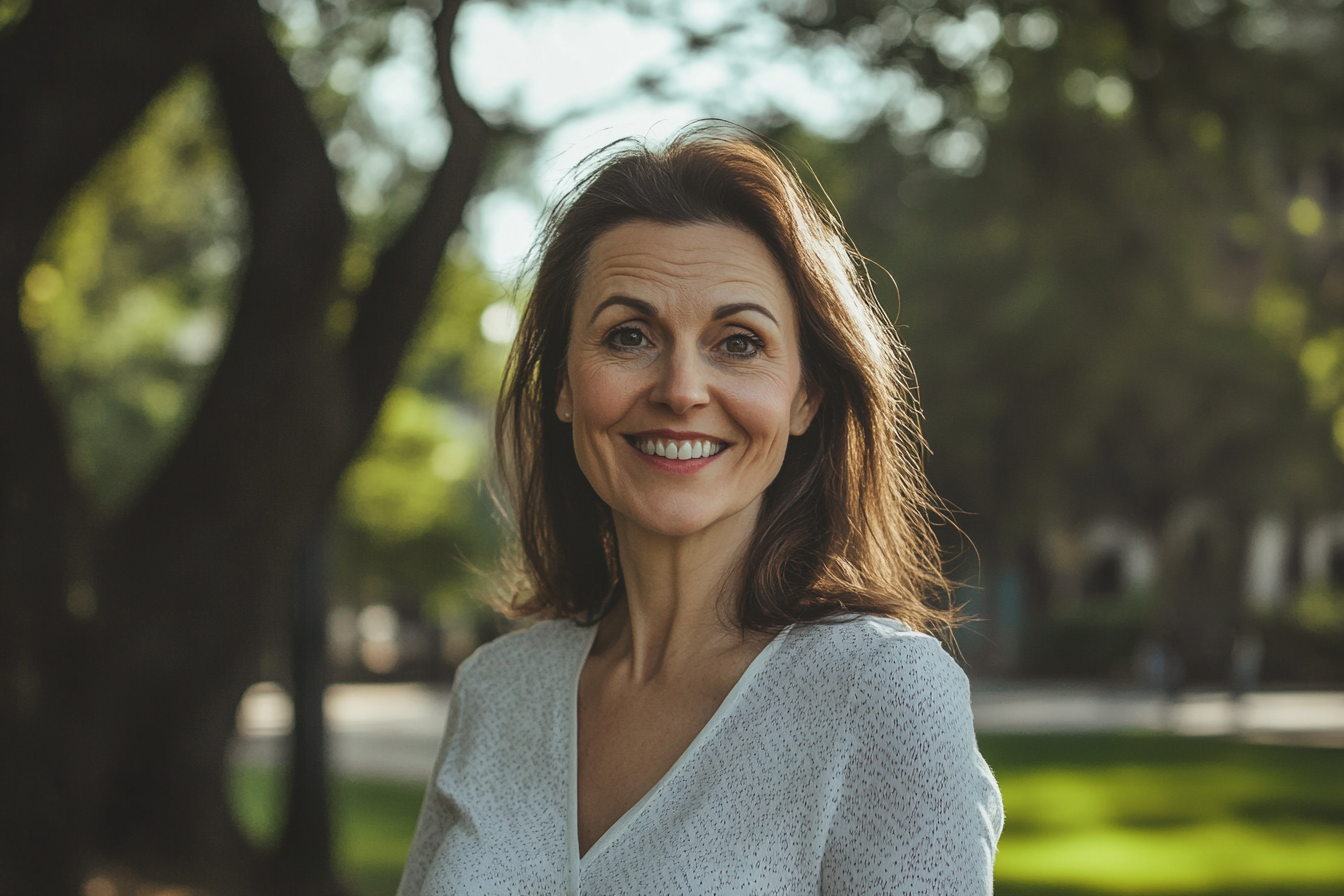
x=126, y=637
x=1109, y=313
x=126, y=642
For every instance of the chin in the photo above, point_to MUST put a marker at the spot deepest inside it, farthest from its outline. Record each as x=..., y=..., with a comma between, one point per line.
x=675, y=530
x=677, y=520
x=668, y=525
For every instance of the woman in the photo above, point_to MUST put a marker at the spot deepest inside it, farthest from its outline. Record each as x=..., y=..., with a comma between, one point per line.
x=712, y=445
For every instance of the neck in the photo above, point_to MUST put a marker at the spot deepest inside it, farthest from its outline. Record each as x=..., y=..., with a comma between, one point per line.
x=680, y=594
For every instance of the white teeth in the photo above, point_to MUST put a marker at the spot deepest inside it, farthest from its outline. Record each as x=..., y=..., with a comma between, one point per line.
x=680, y=450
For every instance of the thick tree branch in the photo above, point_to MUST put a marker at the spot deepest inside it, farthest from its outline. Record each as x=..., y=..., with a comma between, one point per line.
x=241, y=484
x=394, y=301
x=297, y=236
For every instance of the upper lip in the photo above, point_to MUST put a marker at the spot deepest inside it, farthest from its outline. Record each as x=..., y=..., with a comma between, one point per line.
x=676, y=436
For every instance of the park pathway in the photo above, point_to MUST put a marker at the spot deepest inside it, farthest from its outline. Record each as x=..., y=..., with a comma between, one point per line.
x=392, y=731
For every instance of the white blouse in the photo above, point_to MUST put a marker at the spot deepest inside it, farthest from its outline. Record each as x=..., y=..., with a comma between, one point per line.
x=843, y=761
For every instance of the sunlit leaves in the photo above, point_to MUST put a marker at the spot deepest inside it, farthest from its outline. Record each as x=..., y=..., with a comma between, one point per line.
x=13, y=11
x=413, y=511
x=1322, y=362
x=921, y=69
x=1281, y=315
x=403, y=484
x=1304, y=216
x=369, y=69
x=129, y=297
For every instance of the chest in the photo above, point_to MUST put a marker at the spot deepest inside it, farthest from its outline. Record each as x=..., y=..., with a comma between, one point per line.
x=533, y=784
x=628, y=740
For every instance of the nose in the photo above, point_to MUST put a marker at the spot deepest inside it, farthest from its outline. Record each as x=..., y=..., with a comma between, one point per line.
x=682, y=381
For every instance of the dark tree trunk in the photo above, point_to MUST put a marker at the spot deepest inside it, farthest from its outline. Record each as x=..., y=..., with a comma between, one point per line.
x=305, y=845
x=114, y=718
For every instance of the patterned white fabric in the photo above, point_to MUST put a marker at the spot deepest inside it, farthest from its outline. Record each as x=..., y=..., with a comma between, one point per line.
x=843, y=761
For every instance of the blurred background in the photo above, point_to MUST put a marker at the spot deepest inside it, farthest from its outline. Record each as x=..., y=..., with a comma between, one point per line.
x=1118, y=234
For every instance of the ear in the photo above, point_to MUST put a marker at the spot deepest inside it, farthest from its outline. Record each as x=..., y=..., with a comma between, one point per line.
x=805, y=405
x=564, y=402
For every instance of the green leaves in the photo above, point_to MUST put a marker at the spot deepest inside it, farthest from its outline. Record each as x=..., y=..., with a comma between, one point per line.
x=129, y=298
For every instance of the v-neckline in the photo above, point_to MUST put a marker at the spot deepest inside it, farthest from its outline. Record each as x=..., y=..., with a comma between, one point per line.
x=577, y=861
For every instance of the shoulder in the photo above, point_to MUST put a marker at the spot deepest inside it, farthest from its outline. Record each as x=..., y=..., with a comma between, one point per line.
x=539, y=652
x=879, y=670
x=876, y=648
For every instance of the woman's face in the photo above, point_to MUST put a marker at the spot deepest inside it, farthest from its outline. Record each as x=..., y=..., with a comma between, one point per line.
x=683, y=379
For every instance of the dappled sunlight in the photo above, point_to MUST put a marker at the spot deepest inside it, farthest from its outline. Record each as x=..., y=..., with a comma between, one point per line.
x=585, y=75
x=130, y=298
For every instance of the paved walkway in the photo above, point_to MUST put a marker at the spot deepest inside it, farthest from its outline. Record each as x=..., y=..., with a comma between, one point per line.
x=1307, y=717
x=392, y=731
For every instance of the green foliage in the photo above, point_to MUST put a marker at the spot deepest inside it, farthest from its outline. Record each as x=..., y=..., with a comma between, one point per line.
x=415, y=517
x=129, y=298
x=12, y=12
x=1320, y=609
x=129, y=302
x=1092, y=642
x=333, y=50
x=1107, y=317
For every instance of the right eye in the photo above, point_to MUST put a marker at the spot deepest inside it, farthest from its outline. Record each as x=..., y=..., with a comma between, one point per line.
x=627, y=337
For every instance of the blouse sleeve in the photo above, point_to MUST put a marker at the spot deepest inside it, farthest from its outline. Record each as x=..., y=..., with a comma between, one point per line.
x=918, y=810
x=437, y=814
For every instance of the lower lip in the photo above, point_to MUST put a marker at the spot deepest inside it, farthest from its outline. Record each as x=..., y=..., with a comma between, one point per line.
x=662, y=464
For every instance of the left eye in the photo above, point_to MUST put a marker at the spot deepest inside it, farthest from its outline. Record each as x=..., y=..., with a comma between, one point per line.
x=626, y=337
x=741, y=344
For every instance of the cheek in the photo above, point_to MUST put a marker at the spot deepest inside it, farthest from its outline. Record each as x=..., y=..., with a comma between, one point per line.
x=763, y=407
x=601, y=394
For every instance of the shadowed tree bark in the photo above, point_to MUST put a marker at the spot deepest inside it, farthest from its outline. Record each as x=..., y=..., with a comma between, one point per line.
x=113, y=724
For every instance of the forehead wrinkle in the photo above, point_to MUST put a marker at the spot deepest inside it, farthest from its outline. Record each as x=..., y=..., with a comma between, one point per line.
x=672, y=278
x=669, y=274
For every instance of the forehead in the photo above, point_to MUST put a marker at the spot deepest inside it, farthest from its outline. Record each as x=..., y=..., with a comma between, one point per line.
x=675, y=262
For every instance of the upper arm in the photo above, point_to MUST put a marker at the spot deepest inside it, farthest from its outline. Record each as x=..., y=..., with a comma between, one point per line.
x=918, y=811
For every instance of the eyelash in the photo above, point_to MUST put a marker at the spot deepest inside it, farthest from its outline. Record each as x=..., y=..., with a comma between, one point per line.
x=757, y=342
x=615, y=334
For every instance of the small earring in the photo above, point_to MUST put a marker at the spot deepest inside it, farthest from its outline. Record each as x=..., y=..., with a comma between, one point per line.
x=567, y=415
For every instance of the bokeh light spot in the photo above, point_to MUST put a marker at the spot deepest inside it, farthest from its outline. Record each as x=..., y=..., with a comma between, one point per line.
x=1114, y=96
x=1305, y=216
x=499, y=322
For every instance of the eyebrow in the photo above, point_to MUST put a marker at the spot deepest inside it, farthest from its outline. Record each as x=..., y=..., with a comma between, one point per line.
x=645, y=308
x=729, y=310
x=637, y=304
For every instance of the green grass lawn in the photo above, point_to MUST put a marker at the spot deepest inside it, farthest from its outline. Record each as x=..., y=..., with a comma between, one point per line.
x=373, y=820
x=1151, y=814
x=1087, y=814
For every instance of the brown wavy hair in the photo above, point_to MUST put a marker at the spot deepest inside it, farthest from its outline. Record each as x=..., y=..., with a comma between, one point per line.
x=846, y=527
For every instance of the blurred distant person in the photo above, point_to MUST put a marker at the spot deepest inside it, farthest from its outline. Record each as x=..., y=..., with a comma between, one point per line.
x=712, y=447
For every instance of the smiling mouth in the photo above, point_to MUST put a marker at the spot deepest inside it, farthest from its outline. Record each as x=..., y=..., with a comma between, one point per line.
x=672, y=449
